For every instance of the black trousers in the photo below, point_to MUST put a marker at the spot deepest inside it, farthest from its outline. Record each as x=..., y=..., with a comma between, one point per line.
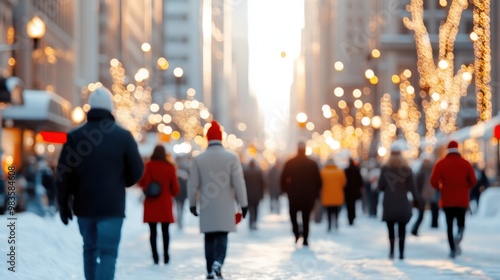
x=166, y=240
x=452, y=214
x=421, y=211
x=401, y=235
x=332, y=212
x=252, y=212
x=351, y=210
x=306, y=213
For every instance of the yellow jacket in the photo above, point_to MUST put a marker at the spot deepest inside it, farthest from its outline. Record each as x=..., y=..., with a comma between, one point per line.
x=334, y=180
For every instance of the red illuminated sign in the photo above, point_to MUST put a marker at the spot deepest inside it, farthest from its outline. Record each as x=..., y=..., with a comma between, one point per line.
x=54, y=137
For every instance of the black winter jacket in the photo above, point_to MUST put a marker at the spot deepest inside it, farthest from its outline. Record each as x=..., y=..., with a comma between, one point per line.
x=301, y=180
x=98, y=161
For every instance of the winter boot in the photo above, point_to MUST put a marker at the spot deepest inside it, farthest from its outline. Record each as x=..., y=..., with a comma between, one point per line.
x=458, y=239
x=155, y=254
x=211, y=275
x=401, y=248
x=391, y=253
x=452, y=254
x=216, y=267
x=156, y=259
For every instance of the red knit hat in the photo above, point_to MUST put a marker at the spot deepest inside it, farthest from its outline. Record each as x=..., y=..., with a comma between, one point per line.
x=453, y=147
x=214, y=132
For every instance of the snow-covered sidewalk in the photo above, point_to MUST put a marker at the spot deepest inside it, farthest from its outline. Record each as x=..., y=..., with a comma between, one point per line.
x=49, y=250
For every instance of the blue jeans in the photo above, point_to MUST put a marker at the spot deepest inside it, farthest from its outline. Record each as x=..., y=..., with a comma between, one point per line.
x=101, y=237
x=215, y=248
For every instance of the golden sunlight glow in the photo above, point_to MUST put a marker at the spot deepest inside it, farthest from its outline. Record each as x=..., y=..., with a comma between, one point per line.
x=272, y=31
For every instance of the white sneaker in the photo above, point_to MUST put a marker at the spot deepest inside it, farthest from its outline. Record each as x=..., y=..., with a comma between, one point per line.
x=216, y=267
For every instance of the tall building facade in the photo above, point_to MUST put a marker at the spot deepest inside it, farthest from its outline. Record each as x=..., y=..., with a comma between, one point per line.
x=219, y=89
x=6, y=37
x=48, y=64
x=182, y=47
x=335, y=36
x=247, y=109
x=123, y=27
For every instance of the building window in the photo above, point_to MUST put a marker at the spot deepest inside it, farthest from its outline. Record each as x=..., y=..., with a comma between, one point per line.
x=177, y=39
x=181, y=17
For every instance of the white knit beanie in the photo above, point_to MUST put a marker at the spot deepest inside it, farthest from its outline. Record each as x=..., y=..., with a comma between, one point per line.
x=101, y=98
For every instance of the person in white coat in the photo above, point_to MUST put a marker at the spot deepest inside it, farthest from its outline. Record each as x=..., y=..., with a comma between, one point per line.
x=216, y=184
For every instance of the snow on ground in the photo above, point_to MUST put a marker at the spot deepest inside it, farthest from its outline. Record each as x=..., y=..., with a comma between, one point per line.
x=49, y=250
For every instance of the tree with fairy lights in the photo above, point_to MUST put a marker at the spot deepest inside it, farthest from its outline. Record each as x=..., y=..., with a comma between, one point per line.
x=444, y=86
x=482, y=51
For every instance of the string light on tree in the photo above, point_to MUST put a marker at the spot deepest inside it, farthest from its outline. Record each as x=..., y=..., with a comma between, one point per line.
x=386, y=134
x=132, y=102
x=439, y=79
x=482, y=52
x=408, y=117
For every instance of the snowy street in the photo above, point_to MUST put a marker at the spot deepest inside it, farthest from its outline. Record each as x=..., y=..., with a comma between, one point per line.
x=49, y=250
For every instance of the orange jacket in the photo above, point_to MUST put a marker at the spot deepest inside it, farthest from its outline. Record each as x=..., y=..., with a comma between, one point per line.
x=334, y=180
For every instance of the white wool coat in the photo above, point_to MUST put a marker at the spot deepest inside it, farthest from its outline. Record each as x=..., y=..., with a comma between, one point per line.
x=217, y=186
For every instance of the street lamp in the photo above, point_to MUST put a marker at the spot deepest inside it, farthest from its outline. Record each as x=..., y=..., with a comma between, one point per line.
x=35, y=30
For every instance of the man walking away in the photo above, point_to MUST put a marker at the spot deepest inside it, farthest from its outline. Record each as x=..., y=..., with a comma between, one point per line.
x=454, y=177
x=301, y=180
x=98, y=161
x=254, y=181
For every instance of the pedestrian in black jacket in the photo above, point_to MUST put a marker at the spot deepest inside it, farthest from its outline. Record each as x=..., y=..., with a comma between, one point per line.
x=301, y=180
x=396, y=180
x=352, y=189
x=254, y=180
x=98, y=161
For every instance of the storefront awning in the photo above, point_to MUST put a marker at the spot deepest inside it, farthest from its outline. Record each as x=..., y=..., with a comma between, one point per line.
x=482, y=130
x=42, y=110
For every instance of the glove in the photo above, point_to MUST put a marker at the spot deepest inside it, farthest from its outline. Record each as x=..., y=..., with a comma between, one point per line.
x=65, y=214
x=244, y=211
x=193, y=211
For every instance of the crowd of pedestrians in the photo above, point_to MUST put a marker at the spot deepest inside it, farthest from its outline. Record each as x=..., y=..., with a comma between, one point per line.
x=100, y=160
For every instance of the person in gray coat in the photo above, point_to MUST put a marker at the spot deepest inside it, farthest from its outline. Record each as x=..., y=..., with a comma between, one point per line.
x=215, y=181
x=396, y=180
x=429, y=195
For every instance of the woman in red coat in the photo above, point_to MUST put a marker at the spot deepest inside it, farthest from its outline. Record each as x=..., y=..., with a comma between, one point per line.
x=159, y=209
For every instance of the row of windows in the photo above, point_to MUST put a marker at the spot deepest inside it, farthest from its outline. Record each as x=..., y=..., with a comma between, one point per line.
x=59, y=12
